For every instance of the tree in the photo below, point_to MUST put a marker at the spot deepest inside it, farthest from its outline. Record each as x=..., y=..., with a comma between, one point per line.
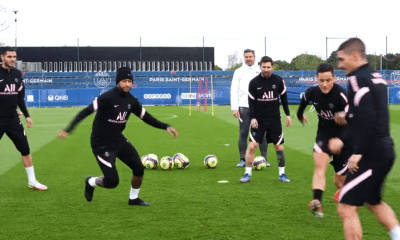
x=375, y=61
x=235, y=67
x=217, y=68
x=282, y=65
x=333, y=60
x=233, y=60
x=393, y=61
x=306, y=62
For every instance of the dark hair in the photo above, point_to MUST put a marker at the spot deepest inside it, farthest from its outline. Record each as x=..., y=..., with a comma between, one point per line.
x=266, y=59
x=353, y=44
x=6, y=49
x=325, y=67
x=249, y=50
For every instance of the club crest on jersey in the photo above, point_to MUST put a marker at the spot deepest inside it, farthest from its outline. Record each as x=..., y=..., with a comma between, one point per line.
x=16, y=79
x=331, y=105
x=106, y=154
x=274, y=86
x=129, y=106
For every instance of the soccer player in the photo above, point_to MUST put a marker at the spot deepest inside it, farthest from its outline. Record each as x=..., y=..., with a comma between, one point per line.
x=264, y=93
x=369, y=136
x=108, y=143
x=12, y=93
x=328, y=98
x=240, y=105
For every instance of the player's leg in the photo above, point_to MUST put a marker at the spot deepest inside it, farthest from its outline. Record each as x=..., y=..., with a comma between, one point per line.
x=386, y=217
x=264, y=150
x=351, y=222
x=131, y=158
x=106, y=159
x=275, y=133
x=17, y=135
x=321, y=160
x=244, y=125
x=256, y=136
x=340, y=164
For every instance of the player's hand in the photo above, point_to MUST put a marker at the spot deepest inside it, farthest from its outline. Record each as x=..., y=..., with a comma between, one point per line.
x=335, y=145
x=236, y=113
x=254, y=123
x=288, y=121
x=305, y=120
x=62, y=135
x=353, y=162
x=29, y=121
x=173, y=132
x=340, y=118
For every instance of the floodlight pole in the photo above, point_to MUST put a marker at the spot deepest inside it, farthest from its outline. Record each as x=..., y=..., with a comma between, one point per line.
x=327, y=38
x=15, y=11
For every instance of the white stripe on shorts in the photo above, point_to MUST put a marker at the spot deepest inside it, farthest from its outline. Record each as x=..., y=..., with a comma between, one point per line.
x=343, y=169
x=350, y=185
x=280, y=139
x=104, y=162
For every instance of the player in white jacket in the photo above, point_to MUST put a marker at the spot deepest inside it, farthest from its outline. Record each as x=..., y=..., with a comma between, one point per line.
x=239, y=102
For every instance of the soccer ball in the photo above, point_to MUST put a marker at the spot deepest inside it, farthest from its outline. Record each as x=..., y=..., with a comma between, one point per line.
x=259, y=163
x=167, y=163
x=181, y=161
x=150, y=161
x=211, y=161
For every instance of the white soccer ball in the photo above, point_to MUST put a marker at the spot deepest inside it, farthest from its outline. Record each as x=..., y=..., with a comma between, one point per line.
x=181, y=161
x=167, y=163
x=211, y=161
x=259, y=163
x=150, y=161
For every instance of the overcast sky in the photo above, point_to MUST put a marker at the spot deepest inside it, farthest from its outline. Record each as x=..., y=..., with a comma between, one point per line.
x=289, y=27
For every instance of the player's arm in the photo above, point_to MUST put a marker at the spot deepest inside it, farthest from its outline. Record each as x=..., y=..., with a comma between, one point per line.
x=141, y=112
x=285, y=104
x=93, y=107
x=235, y=94
x=252, y=103
x=22, y=106
x=305, y=98
x=362, y=128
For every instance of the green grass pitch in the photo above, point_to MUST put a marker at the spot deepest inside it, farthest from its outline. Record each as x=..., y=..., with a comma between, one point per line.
x=185, y=204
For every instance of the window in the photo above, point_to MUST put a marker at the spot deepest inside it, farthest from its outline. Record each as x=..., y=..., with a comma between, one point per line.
x=50, y=66
x=187, y=66
x=85, y=66
x=124, y=64
x=200, y=66
x=90, y=66
x=144, y=66
x=130, y=65
x=139, y=66
x=109, y=66
x=94, y=66
x=133, y=66
x=65, y=67
x=210, y=66
x=195, y=66
x=55, y=67
x=105, y=66
x=100, y=67
x=157, y=66
x=60, y=66
x=70, y=67
x=148, y=66
x=182, y=68
x=119, y=64
x=75, y=66
x=114, y=66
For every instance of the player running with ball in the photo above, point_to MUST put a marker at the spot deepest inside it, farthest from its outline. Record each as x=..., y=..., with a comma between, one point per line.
x=113, y=110
x=328, y=98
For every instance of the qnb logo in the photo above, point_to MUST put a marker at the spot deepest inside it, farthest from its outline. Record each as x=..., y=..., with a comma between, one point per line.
x=57, y=98
x=157, y=96
x=121, y=116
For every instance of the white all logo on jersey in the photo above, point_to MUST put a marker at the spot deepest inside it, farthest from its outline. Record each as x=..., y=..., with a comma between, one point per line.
x=9, y=88
x=268, y=95
x=327, y=114
x=121, y=116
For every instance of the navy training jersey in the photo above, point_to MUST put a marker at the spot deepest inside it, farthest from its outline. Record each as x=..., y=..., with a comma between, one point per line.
x=326, y=105
x=113, y=110
x=264, y=94
x=368, y=114
x=12, y=93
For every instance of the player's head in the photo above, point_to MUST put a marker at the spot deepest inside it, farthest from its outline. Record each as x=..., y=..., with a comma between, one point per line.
x=325, y=77
x=267, y=66
x=249, y=57
x=124, y=79
x=8, y=57
x=351, y=55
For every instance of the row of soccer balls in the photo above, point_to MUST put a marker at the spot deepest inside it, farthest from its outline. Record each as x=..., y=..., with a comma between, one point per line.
x=180, y=161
